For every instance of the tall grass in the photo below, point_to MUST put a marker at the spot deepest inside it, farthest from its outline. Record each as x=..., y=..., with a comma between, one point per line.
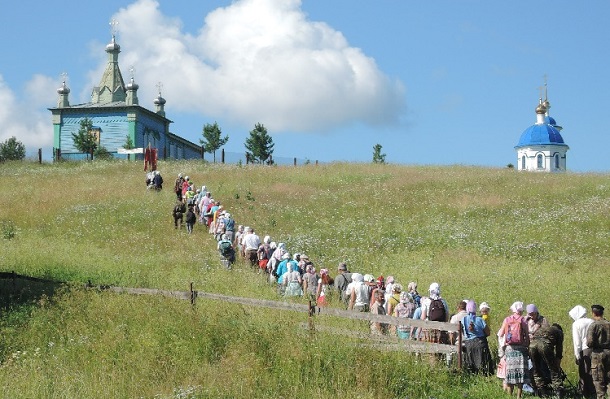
x=488, y=234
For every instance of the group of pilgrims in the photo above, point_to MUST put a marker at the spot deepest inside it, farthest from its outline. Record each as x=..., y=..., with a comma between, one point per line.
x=530, y=348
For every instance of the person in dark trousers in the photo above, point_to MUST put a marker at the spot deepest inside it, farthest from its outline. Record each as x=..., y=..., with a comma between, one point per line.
x=191, y=218
x=546, y=352
x=178, y=213
x=598, y=340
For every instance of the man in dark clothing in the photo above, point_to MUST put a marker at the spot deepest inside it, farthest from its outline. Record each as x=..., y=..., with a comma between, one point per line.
x=344, y=277
x=546, y=351
x=157, y=181
x=178, y=214
x=598, y=340
x=178, y=187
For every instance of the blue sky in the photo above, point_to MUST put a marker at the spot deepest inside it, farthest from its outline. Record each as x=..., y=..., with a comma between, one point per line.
x=434, y=82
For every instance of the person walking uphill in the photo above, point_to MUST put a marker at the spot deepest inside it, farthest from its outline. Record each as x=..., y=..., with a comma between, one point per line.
x=598, y=340
x=546, y=351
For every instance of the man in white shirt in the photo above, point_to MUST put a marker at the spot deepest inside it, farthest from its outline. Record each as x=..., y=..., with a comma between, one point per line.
x=251, y=243
x=582, y=353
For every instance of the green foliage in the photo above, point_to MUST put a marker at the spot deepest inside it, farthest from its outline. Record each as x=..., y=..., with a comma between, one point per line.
x=12, y=150
x=128, y=145
x=84, y=140
x=212, y=139
x=259, y=145
x=378, y=157
x=101, y=153
x=487, y=234
x=8, y=229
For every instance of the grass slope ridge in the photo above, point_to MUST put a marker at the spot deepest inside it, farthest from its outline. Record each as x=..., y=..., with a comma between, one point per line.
x=488, y=234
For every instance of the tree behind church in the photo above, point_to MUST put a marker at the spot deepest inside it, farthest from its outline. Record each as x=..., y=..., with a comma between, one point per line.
x=211, y=139
x=84, y=140
x=259, y=144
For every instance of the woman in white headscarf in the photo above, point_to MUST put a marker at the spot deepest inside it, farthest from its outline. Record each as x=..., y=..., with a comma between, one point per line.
x=292, y=281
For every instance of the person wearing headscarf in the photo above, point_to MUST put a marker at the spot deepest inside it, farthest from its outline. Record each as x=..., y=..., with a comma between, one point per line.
x=276, y=257
x=477, y=357
x=534, y=320
x=516, y=355
x=432, y=313
x=582, y=353
x=291, y=280
x=404, y=310
x=389, y=289
x=359, y=294
x=484, y=309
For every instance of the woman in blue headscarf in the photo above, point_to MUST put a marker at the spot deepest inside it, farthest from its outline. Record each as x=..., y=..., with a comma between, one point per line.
x=477, y=358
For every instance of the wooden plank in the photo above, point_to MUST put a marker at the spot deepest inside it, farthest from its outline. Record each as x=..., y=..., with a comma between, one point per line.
x=387, y=341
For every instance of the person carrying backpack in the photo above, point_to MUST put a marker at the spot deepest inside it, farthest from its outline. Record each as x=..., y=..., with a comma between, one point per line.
x=516, y=340
x=435, y=308
x=225, y=248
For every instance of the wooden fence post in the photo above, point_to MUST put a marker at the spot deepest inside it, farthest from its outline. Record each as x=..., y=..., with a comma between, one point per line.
x=40, y=155
x=222, y=156
x=459, y=348
x=295, y=161
x=192, y=294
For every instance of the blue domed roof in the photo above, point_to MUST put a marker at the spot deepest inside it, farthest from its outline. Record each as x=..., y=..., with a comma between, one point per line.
x=540, y=134
x=549, y=120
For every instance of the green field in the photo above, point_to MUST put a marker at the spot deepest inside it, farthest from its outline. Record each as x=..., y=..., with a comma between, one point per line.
x=494, y=235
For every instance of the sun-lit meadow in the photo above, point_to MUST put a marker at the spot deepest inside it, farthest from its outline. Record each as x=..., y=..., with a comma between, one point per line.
x=494, y=235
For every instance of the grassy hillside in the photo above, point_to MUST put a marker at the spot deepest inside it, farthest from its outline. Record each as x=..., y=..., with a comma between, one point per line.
x=488, y=234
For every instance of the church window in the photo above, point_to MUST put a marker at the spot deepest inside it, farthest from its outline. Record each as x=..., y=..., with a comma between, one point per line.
x=523, y=162
x=556, y=161
x=540, y=161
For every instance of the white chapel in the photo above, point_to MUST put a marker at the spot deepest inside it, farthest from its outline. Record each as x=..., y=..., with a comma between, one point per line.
x=541, y=147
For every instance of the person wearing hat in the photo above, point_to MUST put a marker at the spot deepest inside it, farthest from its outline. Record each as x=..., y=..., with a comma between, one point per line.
x=534, y=320
x=344, y=277
x=582, y=353
x=598, y=340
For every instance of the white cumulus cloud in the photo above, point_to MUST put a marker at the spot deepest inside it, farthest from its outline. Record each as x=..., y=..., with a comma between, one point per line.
x=27, y=119
x=256, y=61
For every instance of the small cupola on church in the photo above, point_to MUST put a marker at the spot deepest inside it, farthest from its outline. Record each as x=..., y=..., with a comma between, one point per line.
x=541, y=147
x=132, y=90
x=159, y=103
x=63, y=92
